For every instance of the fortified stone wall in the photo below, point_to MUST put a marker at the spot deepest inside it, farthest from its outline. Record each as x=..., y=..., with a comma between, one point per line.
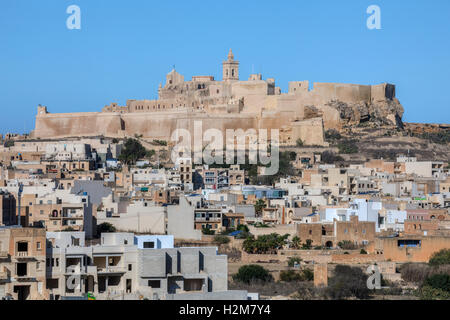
x=231, y=104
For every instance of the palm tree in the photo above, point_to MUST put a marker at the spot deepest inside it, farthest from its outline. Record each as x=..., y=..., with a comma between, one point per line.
x=295, y=242
x=259, y=205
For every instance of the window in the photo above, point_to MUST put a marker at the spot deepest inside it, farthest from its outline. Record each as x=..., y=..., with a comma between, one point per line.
x=22, y=246
x=149, y=245
x=38, y=246
x=156, y=284
x=130, y=267
x=21, y=270
x=76, y=242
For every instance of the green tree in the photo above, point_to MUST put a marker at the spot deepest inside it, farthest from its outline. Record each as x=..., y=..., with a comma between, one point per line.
x=435, y=287
x=243, y=228
x=268, y=243
x=150, y=153
x=252, y=272
x=208, y=231
x=221, y=239
x=348, y=282
x=307, y=245
x=296, y=242
x=293, y=260
x=105, y=227
x=299, y=142
x=259, y=206
x=439, y=281
x=132, y=151
x=440, y=258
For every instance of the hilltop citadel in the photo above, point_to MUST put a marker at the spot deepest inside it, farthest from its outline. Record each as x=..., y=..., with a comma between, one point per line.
x=300, y=113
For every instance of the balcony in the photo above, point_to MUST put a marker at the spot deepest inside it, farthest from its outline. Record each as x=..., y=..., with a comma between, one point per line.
x=208, y=220
x=111, y=269
x=4, y=255
x=22, y=255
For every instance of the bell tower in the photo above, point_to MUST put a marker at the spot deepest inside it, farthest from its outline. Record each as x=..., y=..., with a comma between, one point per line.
x=230, y=68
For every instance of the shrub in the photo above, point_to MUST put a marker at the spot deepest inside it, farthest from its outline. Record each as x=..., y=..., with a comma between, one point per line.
x=243, y=228
x=439, y=281
x=150, y=153
x=220, y=239
x=442, y=137
x=291, y=275
x=330, y=157
x=160, y=142
x=293, y=260
x=363, y=251
x=347, y=245
x=9, y=143
x=265, y=243
x=440, y=258
x=299, y=142
x=332, y=134
x=308, y=275
x=208, y=232
x=348, y=282
x=105, y=227
x=430, y=293
x=347, y=147
x=415, y=273
x=252, y=272
x=261, y=225
x=307, y=245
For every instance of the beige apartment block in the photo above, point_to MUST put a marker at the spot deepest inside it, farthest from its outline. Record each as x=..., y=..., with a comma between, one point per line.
x=22, y=263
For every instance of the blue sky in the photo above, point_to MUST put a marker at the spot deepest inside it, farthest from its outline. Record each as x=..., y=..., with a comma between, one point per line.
x=125, y=48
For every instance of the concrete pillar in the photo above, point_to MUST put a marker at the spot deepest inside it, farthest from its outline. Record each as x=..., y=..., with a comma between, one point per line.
x=321, y=275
